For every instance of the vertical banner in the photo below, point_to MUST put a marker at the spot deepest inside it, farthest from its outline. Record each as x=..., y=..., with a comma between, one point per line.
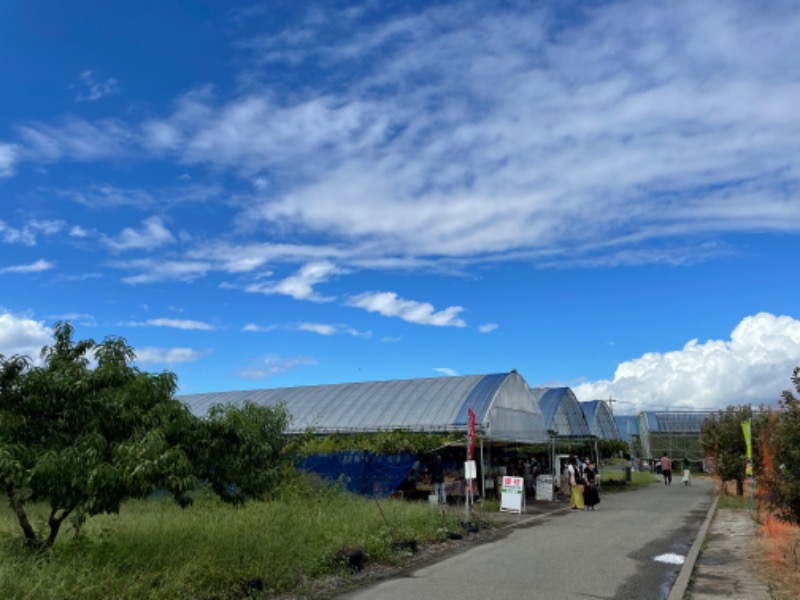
x=748, y=440
x=471, y=434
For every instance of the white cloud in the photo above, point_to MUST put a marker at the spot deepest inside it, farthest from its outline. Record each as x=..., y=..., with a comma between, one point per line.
x=389, y=304
x=488, y=327
x=628, y=101
x=8, y=159
x=80, y=318
x=162, y=270
x=753, y=367
x=152, y=235
x=259, y=328
x=300, y=285
x=446, y=371
x=22, y=335
x=91, y=90
x=12, y=235
x=76, y=139
x=643, y=122
x=110, y=196
x=173, y=323
x=36, y=267
x=78, y=232
x=273, y=364
x=325, y=329
x=319, y=328
x=27, y=236
x=169, y=356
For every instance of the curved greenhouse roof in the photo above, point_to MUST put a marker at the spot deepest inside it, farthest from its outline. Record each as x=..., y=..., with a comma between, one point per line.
x=504, y=407
x=675, y=432
x=562, y=411
x=600, y=420
x=627, y=427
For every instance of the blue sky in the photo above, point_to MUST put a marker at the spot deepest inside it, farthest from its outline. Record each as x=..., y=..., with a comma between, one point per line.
x=602, y=195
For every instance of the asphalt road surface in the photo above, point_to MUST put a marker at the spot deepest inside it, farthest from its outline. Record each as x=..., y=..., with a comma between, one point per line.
x=618, y=551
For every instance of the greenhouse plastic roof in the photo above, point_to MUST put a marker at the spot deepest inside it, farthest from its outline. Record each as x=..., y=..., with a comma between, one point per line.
x=673, y=421
x=627, y=427
x=600, y=420
x=503, y=404
x=562, y=411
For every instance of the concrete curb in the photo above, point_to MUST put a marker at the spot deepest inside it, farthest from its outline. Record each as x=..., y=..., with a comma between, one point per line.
x=685, y=576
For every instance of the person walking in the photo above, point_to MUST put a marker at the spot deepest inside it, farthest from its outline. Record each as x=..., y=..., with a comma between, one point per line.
x=591, y=497
x=687, y=472
x=666, y=468
x=575, y=484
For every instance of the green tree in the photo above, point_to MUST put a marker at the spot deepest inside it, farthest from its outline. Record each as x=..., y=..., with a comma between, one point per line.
x=781, y=476
x=81, y=437
x=722, y=439
x=240, y=450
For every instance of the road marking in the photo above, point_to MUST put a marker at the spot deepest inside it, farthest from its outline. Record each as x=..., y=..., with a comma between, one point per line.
x=673, y=559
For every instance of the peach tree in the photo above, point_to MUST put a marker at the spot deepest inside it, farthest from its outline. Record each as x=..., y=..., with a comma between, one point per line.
x=84, y=430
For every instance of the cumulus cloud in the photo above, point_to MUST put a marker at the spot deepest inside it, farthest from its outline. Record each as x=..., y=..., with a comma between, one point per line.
x=22, y=335
x=273, y=364
x=169, y=356
x=153, y=234
x=488, y=327
x=389, y=304
x=752, y=367
x=35, y=267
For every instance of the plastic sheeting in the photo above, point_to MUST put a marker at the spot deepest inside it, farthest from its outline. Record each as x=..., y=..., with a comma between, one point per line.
x=361, y=472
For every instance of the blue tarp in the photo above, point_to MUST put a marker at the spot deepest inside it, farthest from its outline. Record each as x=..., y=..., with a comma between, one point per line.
x=362, y=472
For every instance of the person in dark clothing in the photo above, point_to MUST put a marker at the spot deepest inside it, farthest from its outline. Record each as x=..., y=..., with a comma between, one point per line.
x=591, y=497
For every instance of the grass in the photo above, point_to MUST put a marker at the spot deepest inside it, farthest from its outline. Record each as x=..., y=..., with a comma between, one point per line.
x=734, y=502
x=154, y=549
x=615, y=480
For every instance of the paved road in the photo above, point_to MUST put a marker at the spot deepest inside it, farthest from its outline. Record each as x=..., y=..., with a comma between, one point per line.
x=562, y=554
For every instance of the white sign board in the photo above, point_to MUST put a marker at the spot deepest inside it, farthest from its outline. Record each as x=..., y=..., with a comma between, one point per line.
x=513, y=494
x=470, y=470
x=544, y=488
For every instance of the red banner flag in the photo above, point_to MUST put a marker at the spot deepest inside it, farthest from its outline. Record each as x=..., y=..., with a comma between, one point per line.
x=471, y=434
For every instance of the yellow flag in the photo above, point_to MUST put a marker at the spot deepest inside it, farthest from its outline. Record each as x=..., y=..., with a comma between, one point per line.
x=747, y=430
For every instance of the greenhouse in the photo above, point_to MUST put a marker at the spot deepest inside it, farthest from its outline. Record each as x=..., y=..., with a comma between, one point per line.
x=562, y=412
x=627, y=427
x=506, y=416
x=675, y=432
x=600, y=420
x=505, y=409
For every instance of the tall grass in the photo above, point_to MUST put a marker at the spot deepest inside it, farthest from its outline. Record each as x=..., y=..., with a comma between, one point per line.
x=154, y=549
